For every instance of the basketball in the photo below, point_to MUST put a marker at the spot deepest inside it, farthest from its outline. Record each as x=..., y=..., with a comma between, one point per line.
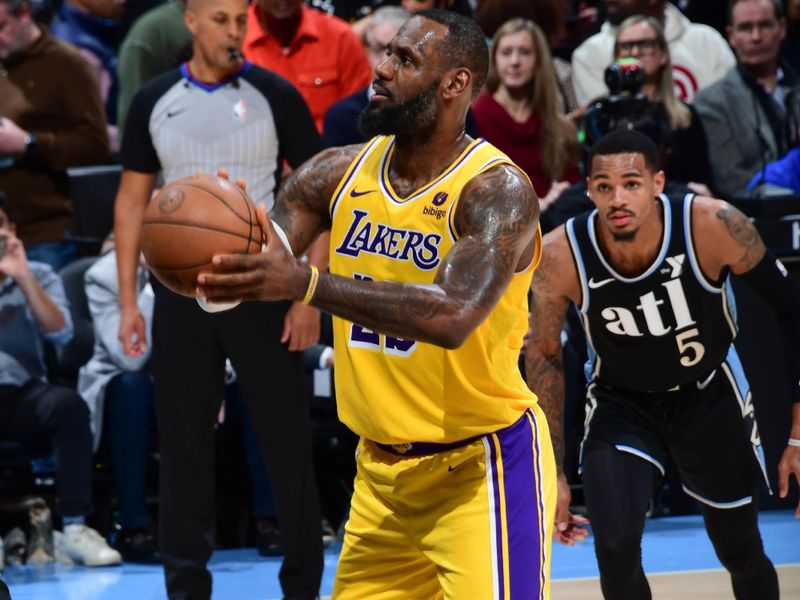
x=192, y=219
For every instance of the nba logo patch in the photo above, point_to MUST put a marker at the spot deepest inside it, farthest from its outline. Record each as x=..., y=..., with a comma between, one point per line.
x=240, y=111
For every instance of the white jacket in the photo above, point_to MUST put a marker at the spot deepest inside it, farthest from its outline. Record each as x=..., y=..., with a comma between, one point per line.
x=102, y=293
x=700, y=56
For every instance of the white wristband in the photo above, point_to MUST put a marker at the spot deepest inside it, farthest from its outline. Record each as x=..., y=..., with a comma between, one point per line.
x=215, y=307
x=281, y=234
x=794, y=442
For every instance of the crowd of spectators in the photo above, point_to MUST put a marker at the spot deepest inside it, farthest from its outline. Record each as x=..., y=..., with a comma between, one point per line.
x=725, y=92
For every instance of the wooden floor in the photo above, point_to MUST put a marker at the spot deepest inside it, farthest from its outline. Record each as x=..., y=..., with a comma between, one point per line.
x=688, y=585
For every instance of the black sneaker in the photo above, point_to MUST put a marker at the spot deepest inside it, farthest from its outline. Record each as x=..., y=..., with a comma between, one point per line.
x=268, y=538
x=137, y=546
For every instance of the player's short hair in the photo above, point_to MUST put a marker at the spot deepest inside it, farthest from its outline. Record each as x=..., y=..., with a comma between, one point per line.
x=777, y=9
x=5, y=203
x=626, y=141
x=463, y=46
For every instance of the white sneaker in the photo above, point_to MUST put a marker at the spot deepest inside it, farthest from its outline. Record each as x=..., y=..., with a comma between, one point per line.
x=84, y=545
x=59, y=552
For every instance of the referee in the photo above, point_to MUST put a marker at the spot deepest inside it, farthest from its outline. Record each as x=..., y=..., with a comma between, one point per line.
x=218, y=111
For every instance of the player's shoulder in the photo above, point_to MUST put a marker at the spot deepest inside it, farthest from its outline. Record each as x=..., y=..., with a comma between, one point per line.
x=709, y=212
x=341, y=156
x=505, y=178
x=327, y=168
x=501, y=191
x=555, y=245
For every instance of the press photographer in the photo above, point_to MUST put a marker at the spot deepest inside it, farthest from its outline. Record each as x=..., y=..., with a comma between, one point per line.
x=643, y=98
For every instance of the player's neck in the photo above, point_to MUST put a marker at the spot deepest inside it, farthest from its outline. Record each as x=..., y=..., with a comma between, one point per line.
x=414, y=165
x=631, y=257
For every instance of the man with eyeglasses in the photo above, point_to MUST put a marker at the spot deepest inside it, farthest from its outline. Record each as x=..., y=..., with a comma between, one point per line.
x=339, y=128
x=751, y=115
x=699, y=54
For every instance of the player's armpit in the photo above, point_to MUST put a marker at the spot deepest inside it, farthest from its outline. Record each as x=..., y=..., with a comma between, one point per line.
x=301, y=207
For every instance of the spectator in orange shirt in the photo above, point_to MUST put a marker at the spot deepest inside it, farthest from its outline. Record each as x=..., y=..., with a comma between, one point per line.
x=318, y=53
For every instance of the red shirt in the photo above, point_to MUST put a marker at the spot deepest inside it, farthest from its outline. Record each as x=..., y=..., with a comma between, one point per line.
x=325, y=61
x=520, y=141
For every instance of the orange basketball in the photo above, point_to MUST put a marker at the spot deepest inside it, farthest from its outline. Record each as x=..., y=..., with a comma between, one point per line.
x=192, y=219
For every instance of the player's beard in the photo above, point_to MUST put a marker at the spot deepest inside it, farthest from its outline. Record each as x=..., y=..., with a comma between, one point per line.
x=412, y=121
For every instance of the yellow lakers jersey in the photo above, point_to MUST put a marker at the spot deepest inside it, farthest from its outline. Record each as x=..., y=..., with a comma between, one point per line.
x=394, y=390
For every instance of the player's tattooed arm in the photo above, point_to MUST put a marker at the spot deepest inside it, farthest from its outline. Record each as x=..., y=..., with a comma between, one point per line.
x=725, y=238
x=301, y=208
x=744, y=234
x=497, y=219
x=543, y=357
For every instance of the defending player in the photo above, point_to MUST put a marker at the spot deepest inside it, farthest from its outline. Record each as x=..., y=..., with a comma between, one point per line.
x=650, y=275
x=434, y=238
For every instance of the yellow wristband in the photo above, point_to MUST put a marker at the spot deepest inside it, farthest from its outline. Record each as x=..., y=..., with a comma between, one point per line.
x=312, y=285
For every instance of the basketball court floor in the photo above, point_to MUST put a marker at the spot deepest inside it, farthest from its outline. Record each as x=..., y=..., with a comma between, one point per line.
x=676, y=553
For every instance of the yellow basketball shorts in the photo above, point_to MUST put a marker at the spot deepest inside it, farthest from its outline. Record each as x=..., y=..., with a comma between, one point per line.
x=470, y=523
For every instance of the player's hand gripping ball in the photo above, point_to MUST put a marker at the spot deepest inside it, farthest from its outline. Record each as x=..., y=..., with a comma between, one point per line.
x=192, y=219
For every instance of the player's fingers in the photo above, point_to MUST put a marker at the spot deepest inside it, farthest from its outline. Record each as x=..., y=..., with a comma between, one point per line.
x=580, y=520
x=222, y=173
x=783, y=481
x=287, y=330
x=265, y=222
x=233, y=262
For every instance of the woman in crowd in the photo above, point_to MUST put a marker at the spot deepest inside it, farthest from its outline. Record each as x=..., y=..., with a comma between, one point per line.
x=643, y=38
x=519, y=111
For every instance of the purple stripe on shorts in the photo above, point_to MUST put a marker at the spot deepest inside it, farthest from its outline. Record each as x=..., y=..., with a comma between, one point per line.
x=524, y=510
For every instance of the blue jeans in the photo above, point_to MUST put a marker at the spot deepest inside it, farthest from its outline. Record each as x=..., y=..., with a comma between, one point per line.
x=55, y=254
x=129, y=418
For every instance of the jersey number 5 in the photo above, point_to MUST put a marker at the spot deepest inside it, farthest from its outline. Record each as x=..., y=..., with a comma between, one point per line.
x=691, y=351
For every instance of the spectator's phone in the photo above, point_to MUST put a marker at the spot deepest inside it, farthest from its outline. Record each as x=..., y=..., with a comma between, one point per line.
x=2, y=246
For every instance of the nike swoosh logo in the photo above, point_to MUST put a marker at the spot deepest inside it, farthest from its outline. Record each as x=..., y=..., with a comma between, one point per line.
x=451, y=468
x=593, y=285
x=175, y=113
x=355, y=193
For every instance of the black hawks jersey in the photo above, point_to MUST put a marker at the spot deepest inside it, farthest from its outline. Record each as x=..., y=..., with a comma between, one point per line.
x=666, y=327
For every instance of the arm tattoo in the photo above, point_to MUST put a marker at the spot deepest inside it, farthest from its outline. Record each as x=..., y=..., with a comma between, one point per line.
x=543, y=360
x=744, y=234
x=301, y=207
x=497, y=220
